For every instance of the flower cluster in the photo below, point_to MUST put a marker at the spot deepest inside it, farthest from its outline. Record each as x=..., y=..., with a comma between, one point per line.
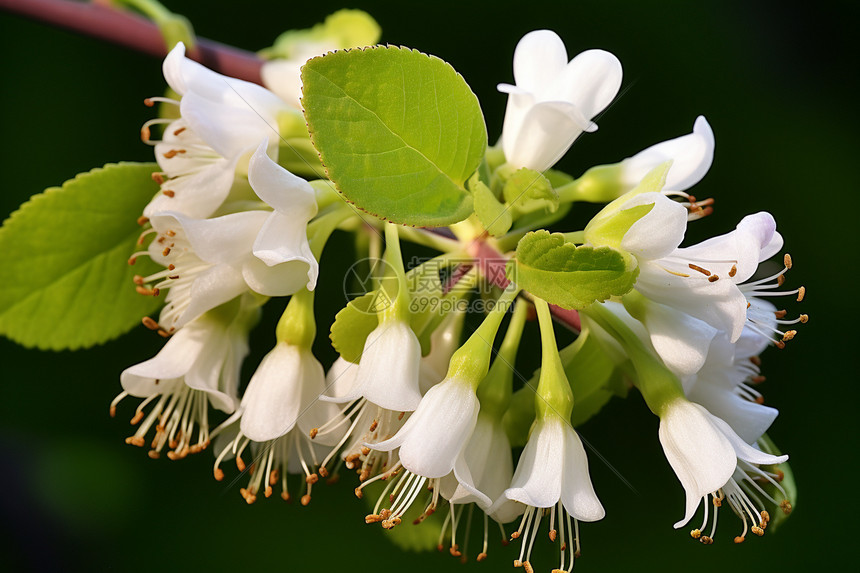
x=425, y=415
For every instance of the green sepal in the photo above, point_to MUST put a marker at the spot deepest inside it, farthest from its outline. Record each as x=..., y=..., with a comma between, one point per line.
x=399, y=132
x=600, y=184
x=64, y=260
x=493, y=214
x=569, y=276
x=609, y=226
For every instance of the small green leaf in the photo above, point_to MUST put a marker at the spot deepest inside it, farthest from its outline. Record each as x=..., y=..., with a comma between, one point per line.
x=353, y=324
x=527, y=190
x=63, y=260
x=493, y=215
x=398, y=131
x=343, y=29
x=570, y=277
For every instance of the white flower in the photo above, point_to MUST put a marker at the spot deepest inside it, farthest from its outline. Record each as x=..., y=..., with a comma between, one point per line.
x=444, y=341
x=691, y=156
x=720, y=386
x=704, y=452
x=211, y=261
x=553, y=100
x=552, y=473
x=388, y=371
x=433, y=439
x=432, y=443
x=222, y=121
x=278, y=412
x=702, y=280
x=198, y=366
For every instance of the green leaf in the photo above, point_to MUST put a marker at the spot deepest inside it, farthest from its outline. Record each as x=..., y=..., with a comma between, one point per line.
x=353, y=324
x=343, y=29
x=570, y=277
x=64, y=256
x=398, y=131
x=527, y=190
x=493, y=215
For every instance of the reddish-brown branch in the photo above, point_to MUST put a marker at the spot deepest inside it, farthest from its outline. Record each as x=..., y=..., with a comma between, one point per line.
x=134, y=32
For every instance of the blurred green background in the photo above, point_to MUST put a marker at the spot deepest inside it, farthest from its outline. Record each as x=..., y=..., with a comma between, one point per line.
x=779, y=89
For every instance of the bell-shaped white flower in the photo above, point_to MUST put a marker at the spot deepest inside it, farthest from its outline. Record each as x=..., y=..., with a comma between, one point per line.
x=222, y=120
x=691, y=156
x=388, y=371
x=431, y=446
x=278, y=412
x=553, y=100
x=552, y=473
x=704, y=452
x=433, y=439
x=198, y=366
x=210, y=261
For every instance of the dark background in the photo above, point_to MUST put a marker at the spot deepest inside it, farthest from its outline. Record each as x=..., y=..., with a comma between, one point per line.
x=778, y=87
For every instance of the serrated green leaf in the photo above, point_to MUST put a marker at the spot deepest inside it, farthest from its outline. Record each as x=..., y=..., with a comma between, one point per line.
x=570, y=277
x=493, y=215
x=63, y=260
x=527, y=190
x=398, y=131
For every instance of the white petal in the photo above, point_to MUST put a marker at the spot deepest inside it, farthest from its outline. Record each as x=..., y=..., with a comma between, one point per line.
x=660, y=231
x=720, y=303
x=284, y=77
x=197, y=195
x=681, y=340
x=590, y=81
x=538, y=477
x=282, y=279
x=272, y=401
x=340, y=379
x=435, y=435
x=748, y=419
x=282, y=190
x=225, y=239
x=388, y=371
x=701, y=455
x=206, y=374
x=547, y=131
x=691, y=155
x=488, y=455
x=230, y=130
x=466, y=491
x=577, y=491
x=174, y=360
x=539, y=58
x=212, y=288
x=743, y=450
